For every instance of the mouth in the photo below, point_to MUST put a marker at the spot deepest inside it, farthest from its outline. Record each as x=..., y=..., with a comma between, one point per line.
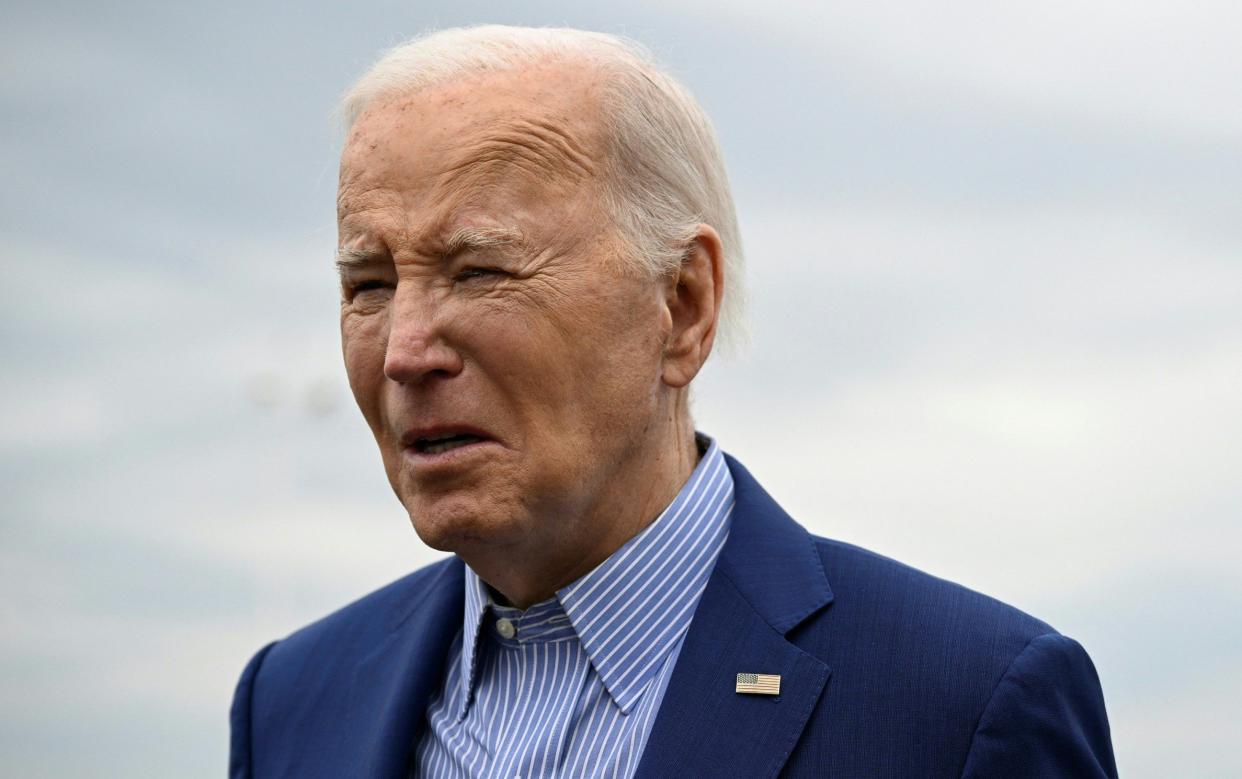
x=445, y=443
x=434, y=443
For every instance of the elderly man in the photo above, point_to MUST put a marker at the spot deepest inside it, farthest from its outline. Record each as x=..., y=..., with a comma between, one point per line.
x=537, y=246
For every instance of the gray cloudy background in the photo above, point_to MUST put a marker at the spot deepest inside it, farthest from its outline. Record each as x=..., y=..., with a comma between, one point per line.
x=995, y=267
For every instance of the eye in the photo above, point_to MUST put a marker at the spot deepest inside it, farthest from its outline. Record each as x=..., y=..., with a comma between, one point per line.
x=367, y=286
x=473, y=272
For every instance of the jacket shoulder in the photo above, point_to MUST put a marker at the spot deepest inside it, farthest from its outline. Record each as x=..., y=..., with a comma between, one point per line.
x=357, y=624
x=913, y=641
x=916, y=661
x=867, y=585
x=294, y=697
x=326, y=650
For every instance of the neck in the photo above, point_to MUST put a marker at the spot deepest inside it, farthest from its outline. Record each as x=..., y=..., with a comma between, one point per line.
x=630, y=500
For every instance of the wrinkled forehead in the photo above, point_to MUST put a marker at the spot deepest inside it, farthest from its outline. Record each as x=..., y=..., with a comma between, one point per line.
x=542, y=123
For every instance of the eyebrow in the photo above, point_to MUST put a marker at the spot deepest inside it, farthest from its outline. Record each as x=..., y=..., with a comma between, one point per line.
x=463, y=239
x=353, y=259
x=475, y=238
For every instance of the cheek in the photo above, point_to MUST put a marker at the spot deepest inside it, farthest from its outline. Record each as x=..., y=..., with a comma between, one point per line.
x=628, y=351
x=599, y=362
x=363, y=346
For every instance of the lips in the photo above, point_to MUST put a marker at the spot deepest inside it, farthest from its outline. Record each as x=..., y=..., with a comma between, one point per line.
x=443, y=443
x=438, y=439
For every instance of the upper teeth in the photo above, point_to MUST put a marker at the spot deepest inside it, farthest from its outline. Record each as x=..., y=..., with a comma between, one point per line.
x=443, y=443
x=441, y=446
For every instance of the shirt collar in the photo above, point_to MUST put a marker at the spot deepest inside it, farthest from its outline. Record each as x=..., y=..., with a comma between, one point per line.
x=631, y=610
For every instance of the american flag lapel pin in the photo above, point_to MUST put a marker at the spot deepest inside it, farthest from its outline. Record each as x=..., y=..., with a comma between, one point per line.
x=758, y=684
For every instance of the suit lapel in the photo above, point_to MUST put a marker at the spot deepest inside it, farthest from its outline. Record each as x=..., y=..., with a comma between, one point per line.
x=393, y=685
x=768, y=579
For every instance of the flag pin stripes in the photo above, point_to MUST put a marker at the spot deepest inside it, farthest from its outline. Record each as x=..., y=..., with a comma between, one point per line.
x=759, y=684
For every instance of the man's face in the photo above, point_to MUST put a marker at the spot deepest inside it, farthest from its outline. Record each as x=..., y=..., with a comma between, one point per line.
x=505, y=360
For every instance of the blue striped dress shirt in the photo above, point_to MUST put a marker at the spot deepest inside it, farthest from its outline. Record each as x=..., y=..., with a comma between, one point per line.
x=571, y=686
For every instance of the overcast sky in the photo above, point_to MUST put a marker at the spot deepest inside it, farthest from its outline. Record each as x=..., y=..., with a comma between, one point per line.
x=995, y=277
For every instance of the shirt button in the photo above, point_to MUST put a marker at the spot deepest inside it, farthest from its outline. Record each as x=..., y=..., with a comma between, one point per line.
x=505, y=628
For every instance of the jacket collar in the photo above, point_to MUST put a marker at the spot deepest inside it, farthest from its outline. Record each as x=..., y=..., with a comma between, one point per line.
x=770, y=558
x=768, y=580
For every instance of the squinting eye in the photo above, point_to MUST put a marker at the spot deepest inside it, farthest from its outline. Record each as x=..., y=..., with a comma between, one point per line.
x=369, y=285
x=475, y=273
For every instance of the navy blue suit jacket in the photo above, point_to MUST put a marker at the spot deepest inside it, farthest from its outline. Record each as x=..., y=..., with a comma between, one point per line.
x=885, y=672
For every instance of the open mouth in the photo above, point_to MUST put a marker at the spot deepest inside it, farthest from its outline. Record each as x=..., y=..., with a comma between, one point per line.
x=444, y=443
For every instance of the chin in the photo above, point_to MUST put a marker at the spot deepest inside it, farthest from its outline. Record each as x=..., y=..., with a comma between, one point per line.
x=451, y=523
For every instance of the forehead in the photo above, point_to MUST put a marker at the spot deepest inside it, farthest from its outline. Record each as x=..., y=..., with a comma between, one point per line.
x=540, y=123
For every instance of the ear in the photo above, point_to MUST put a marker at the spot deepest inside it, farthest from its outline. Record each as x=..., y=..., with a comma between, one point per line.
x=692, y=303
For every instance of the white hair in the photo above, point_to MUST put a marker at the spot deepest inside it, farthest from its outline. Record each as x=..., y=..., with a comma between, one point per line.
x=667, y=173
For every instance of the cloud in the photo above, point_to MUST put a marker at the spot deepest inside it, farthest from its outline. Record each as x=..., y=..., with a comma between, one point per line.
x=996, y=397
x=1162, y=67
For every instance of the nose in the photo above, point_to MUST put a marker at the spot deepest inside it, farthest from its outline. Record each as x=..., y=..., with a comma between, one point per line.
x=417, y=349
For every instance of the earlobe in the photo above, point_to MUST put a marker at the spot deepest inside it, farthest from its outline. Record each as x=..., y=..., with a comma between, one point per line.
x=693, y=306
